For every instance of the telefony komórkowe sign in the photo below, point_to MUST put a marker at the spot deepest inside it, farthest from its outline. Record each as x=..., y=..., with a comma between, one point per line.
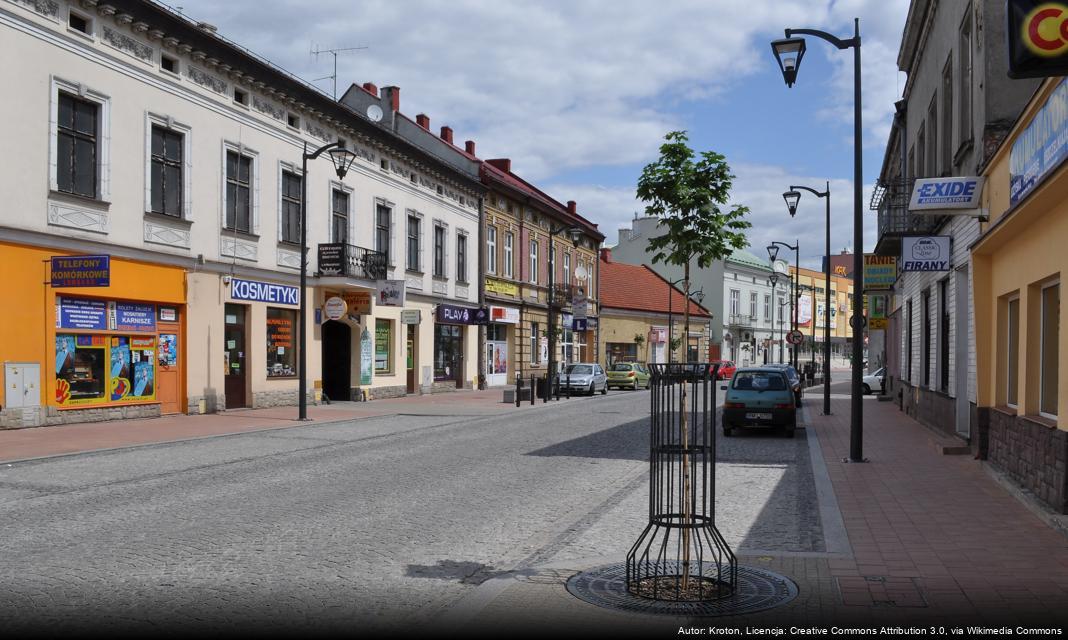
x=946, y=193
x=925, y=253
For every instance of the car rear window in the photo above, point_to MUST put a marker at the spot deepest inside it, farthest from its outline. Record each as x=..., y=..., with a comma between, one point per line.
x=759, y=381
x=579, y=369
x=623, y=367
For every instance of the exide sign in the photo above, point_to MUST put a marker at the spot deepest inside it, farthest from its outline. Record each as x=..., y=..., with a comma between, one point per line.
x=946, y=193
x=1037, y=36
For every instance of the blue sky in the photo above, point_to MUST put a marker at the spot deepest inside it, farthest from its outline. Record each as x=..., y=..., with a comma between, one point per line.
x=580, y=93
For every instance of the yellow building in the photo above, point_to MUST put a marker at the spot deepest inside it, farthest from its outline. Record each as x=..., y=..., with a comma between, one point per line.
x=811, y=317
x=1018, y=261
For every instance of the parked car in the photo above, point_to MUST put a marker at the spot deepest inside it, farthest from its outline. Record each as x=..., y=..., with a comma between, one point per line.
x=876, y=380
x=726, y=368
x=759, y=397
x=584, y=376
x=628, y=375
x=794, y=379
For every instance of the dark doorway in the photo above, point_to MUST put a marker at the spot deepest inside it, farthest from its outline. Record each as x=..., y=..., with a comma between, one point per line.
x=409, y=357
x=337, y=360
x=234, y=353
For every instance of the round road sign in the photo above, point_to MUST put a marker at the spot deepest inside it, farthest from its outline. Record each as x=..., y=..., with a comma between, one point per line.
x=795, y=337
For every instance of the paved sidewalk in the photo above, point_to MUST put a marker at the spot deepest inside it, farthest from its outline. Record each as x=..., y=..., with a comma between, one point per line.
x=36, y=442
x=933, y=540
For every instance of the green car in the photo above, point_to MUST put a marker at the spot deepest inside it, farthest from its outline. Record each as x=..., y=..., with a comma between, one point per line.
x=760, y=397
x=628, y=375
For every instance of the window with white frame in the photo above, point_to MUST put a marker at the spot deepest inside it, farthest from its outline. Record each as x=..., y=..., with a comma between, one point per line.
x=533, y=262
x=1012, y=351
x=461, y=257
x=509, y=262
x=383, y=230
x=1050, y=344
x=964, y=78
x=947, y=117
x=239, y=191
x=567, y=267
x=414, y=242
x=589, y=277
x=491, y=249
x=167, y=165
x=439, y=250
x=753, y=304
x=767, y=306
x=339, y=215
x=290, y=207
x=79, y=140
x=735, y=301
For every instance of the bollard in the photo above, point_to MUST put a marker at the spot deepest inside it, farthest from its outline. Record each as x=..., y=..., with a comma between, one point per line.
x=533, y=389
x=556, y=386
x=518, y=388
x=568, y=385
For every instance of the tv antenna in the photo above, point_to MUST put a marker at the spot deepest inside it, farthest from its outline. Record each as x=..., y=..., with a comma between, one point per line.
x=316, y=52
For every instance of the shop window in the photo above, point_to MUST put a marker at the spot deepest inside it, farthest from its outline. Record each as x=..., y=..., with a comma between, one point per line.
x=535, y=350
x=1012, y=352
x=76, y=152
x=448, y=349
x=1050, y=333
x=383, y=346
x=926, y=331
x=943, y=335
x=92, y=369
x=497, y=333
x=166, y=171
x=621, y=352
x=908, y=340
x=281, y=350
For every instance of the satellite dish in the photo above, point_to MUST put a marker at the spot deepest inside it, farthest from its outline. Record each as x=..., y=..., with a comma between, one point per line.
x=580, y=272
x=374, y=112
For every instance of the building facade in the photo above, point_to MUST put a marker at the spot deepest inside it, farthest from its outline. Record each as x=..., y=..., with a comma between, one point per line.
x=813, y=318
x=755, y=313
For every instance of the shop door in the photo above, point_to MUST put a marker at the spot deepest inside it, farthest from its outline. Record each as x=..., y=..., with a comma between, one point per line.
x=409, y=357
x=168, y=376
x=337, y=360
x=234, y=357
x=496, y=363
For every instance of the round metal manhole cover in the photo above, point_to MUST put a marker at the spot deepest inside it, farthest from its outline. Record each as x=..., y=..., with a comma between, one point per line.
x=757, y=590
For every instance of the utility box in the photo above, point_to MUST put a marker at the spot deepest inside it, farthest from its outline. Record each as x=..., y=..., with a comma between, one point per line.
x=22, y=381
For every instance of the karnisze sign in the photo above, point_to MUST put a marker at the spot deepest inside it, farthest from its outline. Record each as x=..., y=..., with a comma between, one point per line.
x=263, y=292
x=946, y=193
x=81, y=271
x=1041, y=147
x=452, y=314
x=130, y=316
x=925, y=253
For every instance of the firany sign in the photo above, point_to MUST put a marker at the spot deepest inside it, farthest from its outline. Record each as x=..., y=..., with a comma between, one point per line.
x=925, y=253
x=1037, y=38
x=946, y=193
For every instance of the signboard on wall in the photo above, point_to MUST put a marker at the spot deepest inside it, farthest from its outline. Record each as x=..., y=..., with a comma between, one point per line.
x=504, y=315
x=411, y=316
x=1037, y=38
x=335, y=308
x=81, y=313
x=494, y=285
x=263, y=292
x=880, y=272
x=453, y=314
x=131, y=316
x=331, y=259
x=1041, y=147
x=359, y=302
x=925, y=253
x=81, y=271
x=391, y=293
x=945, y=194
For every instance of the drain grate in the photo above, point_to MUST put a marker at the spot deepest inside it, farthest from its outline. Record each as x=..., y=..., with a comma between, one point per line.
x=758, y=590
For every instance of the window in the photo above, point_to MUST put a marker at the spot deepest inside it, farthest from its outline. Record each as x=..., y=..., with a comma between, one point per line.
x=413, y=242
x=383, y=164
x=339, y=216
x=238, y=192
x=535, y=344
x=534, y=261
x=964, y=81
x=167, y=63
x=291, y=185
x=735, y=302
x=76, y=147
x=461, y=257
x=413, y=177
x=293, y=120
x=947, y=117
x=567, y=268
x=241, y=97
x=383, y=346
x=94, y=369
x=491, y=249
x=911, y=163
x=767, y=306
x=908, y=339
x=508, y=262
x=1050, y=336
x=1012, y=352
x=921, y=151
x=281, y=353
x=753, y=304
x=589, y=277
x=383, y=230
x=926, y=331
x=932, y=137
x=439, y=251
x=166, y=170
x=943, y=335
x=80, y=23
x=448, y=351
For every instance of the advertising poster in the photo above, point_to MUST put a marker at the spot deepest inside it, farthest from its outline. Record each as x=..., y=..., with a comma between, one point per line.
x=500, y=357
x=144, y=384
x=64, y=353
x=382, y=346
x=121, y=368
x=366, y=357
x=81, y=313
x=804, y=310
x=168, y=349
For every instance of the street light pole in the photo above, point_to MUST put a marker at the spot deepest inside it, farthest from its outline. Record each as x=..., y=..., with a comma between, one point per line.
x=788, y=53
x=574, y=231
x=773, y=252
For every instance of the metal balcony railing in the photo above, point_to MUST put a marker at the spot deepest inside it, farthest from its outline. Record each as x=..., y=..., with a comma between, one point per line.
x=742, y=320
x=337, y=259
x=891, y=201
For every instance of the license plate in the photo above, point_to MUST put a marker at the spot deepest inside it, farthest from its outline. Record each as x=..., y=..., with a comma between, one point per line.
x=758, y=416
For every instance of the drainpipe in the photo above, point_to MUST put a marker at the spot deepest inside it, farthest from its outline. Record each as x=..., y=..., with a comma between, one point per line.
x=481, y=291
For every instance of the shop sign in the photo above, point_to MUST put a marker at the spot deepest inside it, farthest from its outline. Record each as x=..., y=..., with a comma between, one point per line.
x=81, y=313
x=263, y=292
x=334, y=308
x=359, y=302
x=880, y=272
x=946, y=193
x=591, y=323
x=391, y=293
x=657, y=334
x=130, y=316
x=1038, y=38
x=411, y=316
x=331, y=259
x=168, y=314
x=1041, y=147
x=504, y=315
x=500, y=286
x=804, y=310
x=566, y=320
x=579, y=324
x=452, y=314
x=81, y=271
x=925, y=253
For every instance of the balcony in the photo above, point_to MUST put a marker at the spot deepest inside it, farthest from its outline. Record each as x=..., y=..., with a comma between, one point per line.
x=891, y=201
x=337, y=259
x=740, y=320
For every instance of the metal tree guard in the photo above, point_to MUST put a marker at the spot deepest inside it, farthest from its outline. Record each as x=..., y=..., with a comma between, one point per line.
x=681, y=556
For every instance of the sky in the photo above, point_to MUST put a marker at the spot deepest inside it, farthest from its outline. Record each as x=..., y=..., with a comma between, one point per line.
x=580, y=93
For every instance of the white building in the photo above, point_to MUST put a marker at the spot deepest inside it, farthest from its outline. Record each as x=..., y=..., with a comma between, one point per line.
x=140, y=135
x=755, y=315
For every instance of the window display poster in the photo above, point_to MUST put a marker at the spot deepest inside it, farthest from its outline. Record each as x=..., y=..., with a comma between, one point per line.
x=121, y=368
x=500, y=358
x=144, y=384
x=81, y=313
x=168, y=349
x=382, y=343
x=366, y=359
x=65, y=347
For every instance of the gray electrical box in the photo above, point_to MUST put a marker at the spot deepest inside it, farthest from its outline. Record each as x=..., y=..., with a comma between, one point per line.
x=22, y=381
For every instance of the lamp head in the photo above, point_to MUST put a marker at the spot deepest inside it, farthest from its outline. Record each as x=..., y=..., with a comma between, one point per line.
x=576, y=235
x=699, y=296
x=788, y=53
x=792, y=198
x=773, y=251
x=342, y=159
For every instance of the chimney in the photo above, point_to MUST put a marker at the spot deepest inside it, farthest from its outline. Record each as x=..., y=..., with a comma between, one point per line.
x=469, y=146
x=446, y=134
x=625, y=234
x=606, y=254
x=504, y=164
x=392, y=96
x=572, y=207
x=370, y=88
x=423, y=120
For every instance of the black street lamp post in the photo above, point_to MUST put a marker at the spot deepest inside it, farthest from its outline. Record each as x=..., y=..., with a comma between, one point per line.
x=773, y=253
x=575, y=233
x=792, y=197
x=342, y=159
x=788, y=53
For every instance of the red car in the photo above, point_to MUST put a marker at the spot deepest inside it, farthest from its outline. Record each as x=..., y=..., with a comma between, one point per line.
x=726, y=368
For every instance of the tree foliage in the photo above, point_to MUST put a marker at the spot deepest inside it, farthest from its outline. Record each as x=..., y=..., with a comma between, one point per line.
x=689, y=195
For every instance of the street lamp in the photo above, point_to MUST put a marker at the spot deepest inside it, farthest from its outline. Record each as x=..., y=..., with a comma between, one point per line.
x=773, y=253
x=788, y=53
x=792, y=197
x=342, y=159
x=773, y=280
x=575, y=234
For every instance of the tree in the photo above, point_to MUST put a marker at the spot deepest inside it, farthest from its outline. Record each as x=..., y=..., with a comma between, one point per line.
x=689, y=196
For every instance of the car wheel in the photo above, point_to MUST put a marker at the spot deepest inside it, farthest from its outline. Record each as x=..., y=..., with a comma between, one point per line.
x=867, y=389
x=590, y=390
x=604, y=389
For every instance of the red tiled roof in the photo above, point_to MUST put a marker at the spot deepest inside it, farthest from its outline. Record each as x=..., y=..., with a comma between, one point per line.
x=639, y=288
x=510, y=179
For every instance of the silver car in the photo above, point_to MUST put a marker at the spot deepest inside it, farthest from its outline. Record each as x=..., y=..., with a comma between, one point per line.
x=584, y=376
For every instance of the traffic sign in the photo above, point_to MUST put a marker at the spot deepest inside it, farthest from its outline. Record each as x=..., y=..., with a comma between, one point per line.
x=795, y=337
